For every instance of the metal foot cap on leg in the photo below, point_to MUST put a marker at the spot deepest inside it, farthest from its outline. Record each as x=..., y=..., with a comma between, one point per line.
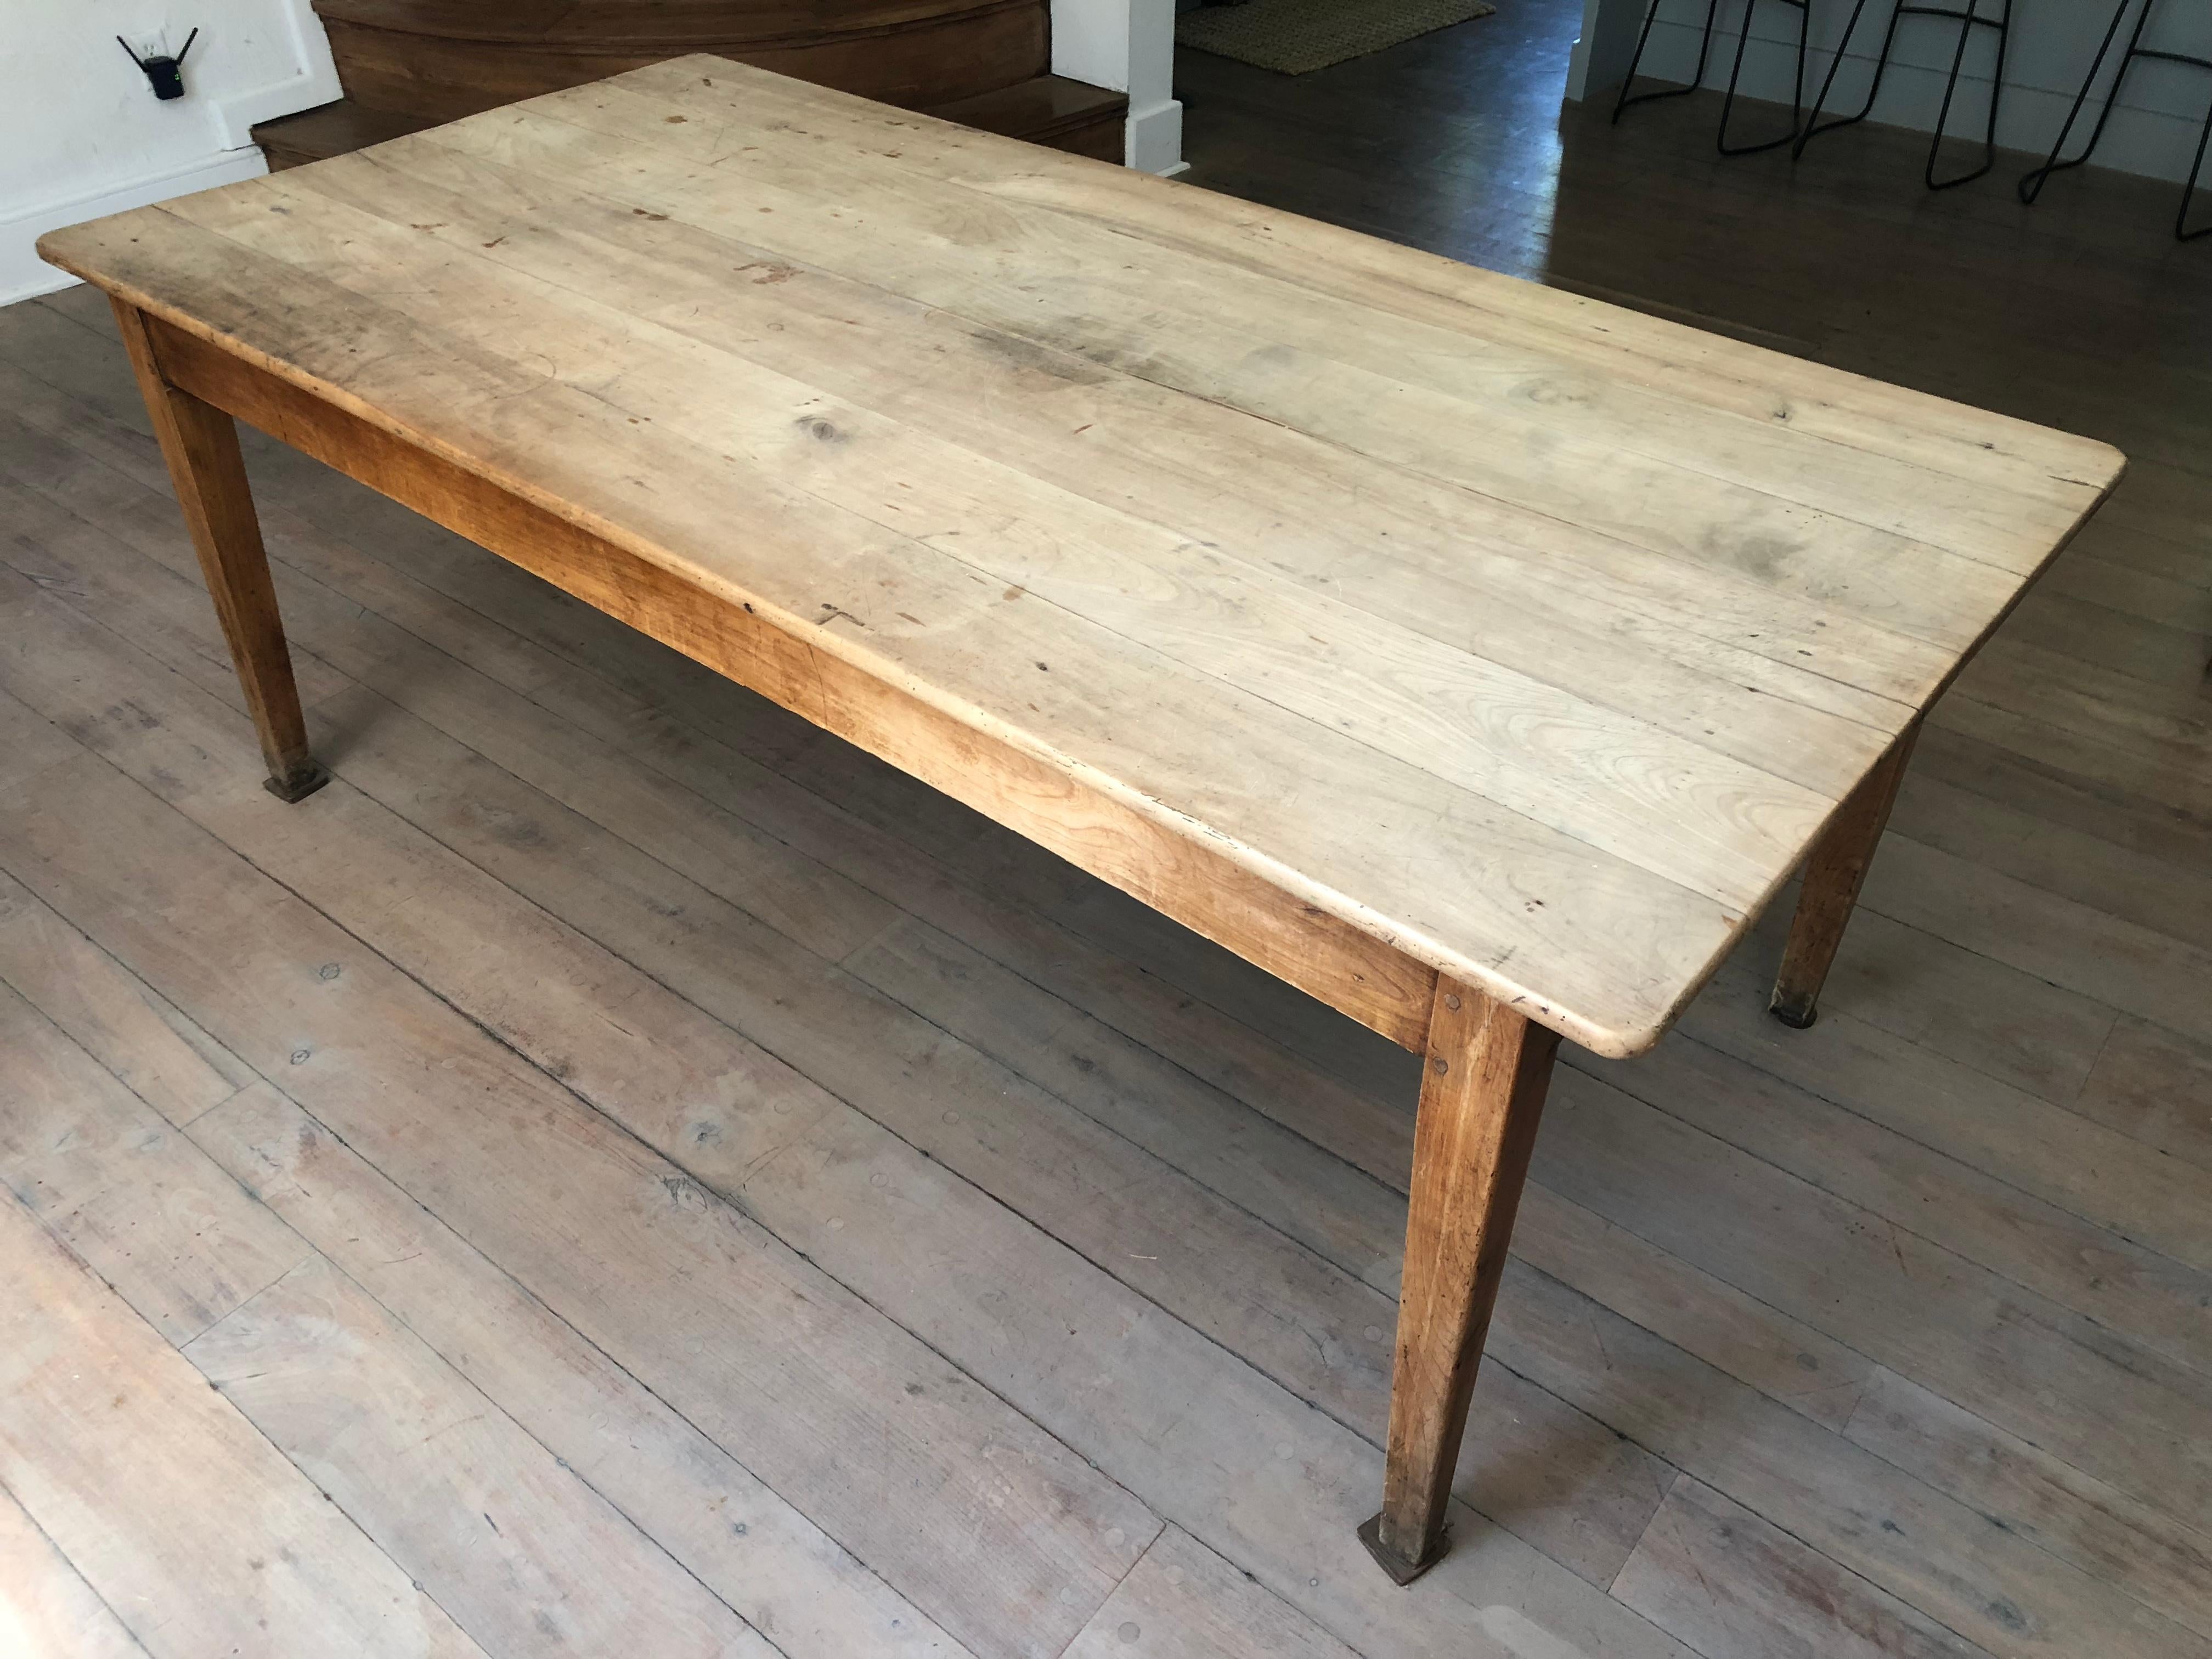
x=299, y=783
x=1795, y=1012
x=1401, y=1570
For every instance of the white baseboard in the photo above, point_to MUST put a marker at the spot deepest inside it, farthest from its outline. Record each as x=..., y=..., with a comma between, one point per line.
x=1602, y=51
x=23, y=274
x=231, y=155
x=1154, y=142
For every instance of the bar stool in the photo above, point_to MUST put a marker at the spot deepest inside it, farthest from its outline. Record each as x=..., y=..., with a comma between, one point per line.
x=1804, y=10
x=1968, y=21
x=2032, y=185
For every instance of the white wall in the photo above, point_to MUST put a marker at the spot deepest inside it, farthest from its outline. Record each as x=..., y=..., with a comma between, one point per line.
x=82, y=133
x=1602, y=51
x=2153, y=130
x=1128, y=45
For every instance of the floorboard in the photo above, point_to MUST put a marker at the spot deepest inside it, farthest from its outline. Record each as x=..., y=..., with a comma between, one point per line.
x=45, y=1605
x=511, y=1541
x=221, y=1546
x=811, y=1597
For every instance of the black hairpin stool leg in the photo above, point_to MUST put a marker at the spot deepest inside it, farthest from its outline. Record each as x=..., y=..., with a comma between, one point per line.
x=2032, y=185
x=1704, y=50
x=1816, y=126
x=1968, y=21
x=1804, y=9
x=1629, y=98
x=2181, y=230
x=1971, y=20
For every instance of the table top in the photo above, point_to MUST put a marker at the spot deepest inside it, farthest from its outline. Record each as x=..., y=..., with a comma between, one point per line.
x=1535, y=636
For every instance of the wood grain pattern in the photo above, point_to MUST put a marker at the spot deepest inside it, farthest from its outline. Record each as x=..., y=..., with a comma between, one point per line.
x=767, y=1561
x=909, y=52
x=1348, y=969
x=1482, y=1093
x=123, y=1191
x=201, y=446
x=1348, y=750
x=45, y=1605
x=1044, y=109
x=271, y=1570
x=890, y=1478
x=1935, y=1103
x=1701, y=1540
x=153, y=1050
x=523, y=1553
x=1183, y=1601
x=1833, y=875
x=1021, y=1316
x=1174, y=705
x=1572, y=1489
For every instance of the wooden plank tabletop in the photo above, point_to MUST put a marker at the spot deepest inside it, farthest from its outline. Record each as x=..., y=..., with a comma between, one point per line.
x=1533, y=636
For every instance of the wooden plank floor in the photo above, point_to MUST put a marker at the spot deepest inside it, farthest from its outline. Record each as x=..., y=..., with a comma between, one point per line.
x=619, y=1170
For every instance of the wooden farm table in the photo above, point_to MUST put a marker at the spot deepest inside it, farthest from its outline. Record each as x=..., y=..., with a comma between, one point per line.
x=1478, y=658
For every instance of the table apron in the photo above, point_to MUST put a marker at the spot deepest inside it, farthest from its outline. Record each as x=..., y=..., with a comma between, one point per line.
x=1359, y=974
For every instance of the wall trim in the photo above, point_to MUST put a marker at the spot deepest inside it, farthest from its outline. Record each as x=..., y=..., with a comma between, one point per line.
x=24, y=275
x=1126, y=45
x=314, y=82
x=1154, y=140
x=1602, y=51
x=230, y=156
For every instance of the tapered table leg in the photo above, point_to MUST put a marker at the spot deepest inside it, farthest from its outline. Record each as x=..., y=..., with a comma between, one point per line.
x=200, y=444
x=1481, y=1094
x=1833, y=876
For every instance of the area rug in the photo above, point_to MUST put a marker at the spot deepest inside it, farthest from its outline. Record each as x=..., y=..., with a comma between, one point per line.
x=1297, y=37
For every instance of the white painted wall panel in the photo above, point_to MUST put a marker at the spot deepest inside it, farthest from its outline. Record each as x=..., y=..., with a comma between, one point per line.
x=82, y=134
x=2153, y=131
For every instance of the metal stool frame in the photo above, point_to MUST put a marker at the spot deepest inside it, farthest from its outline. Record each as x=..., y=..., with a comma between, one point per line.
x=1968, y=21
x=1804, y=10
x=2031, y=185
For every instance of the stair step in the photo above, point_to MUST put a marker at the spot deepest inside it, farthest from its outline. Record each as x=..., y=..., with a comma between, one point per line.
x=339, y=129
x=1045, y=109
x=1050, y=110
x=670, y=27
x=442, y=59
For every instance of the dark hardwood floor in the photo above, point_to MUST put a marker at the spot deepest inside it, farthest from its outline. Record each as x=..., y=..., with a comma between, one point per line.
x=1458, y=142
x=1450, y=142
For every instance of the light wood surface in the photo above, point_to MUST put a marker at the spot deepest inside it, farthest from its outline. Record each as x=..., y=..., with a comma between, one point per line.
x=1472, y=830
x=1574, y=631
x=1350, y=970
x=1881, y=1336
x=1878, y=1335
x=751, y=1548
x=1483, y=1082
x=528, y=1558
x=200, y=444
x=221, y=1533
x=1834, y=872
